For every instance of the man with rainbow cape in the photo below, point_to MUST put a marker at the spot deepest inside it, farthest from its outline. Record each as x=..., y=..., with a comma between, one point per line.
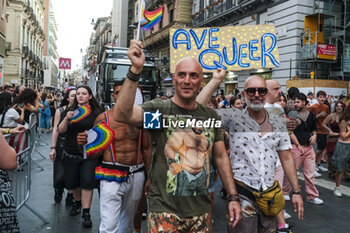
x=122, y=173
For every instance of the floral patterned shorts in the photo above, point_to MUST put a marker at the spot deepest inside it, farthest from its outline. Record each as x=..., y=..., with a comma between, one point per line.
x=168, y=222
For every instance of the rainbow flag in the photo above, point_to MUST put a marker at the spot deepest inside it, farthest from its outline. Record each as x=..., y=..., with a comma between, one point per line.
x=99, y=138
x=151, y=18
x=81, y=113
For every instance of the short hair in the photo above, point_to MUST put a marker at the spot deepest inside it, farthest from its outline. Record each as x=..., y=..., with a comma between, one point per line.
x=118, y=83
x=6, y=87
x=301, y=96
x=292, y=91
x=321, y=93
x=233, y=100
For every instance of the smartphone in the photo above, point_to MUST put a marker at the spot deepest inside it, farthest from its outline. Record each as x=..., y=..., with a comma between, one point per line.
x=21, y=105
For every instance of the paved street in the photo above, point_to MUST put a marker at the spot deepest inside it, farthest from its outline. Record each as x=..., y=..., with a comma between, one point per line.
x=332, y=217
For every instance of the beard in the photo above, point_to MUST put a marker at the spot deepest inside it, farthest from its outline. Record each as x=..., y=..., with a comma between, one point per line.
x=256, y=107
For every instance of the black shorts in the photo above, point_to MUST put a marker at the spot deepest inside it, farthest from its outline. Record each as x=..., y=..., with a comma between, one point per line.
x=79, y=172
x=321, y=141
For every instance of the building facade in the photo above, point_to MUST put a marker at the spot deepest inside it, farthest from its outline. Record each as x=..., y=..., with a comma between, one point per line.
x=176, y=14
x=50, y=48
x=3, y=23
x=120, y=22
x=288, y=17
x=24, y=43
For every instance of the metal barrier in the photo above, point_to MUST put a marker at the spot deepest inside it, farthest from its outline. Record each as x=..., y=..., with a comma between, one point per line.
x=24, y=144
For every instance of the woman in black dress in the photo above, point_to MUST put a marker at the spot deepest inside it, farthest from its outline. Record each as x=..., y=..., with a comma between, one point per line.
x=79, y=173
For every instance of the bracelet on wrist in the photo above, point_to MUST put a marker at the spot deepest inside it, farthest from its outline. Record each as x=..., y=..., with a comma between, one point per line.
x=52, y=147
x=133, y=77
x=7, y=130
x=232, y=197
x=296, y=192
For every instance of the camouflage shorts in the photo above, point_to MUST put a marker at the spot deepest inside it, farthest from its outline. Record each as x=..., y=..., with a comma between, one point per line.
x=168, y=222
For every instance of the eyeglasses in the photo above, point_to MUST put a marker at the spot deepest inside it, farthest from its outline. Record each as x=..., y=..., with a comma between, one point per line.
x=251, y=91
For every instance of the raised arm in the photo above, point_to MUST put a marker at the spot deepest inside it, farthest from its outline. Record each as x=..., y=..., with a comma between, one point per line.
x=124, y=110
x=204, y=96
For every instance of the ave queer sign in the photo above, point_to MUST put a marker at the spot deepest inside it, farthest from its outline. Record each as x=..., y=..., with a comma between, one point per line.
x=231, y=48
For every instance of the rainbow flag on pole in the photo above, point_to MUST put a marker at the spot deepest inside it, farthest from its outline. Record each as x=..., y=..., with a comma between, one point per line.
x=151, y=18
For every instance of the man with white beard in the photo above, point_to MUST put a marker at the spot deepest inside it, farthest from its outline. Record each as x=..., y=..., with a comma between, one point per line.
x=257, y=139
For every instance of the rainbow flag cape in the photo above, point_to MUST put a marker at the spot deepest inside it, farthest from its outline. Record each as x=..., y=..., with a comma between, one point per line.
x=99, y=138
x=81, y=113
x=151, y=18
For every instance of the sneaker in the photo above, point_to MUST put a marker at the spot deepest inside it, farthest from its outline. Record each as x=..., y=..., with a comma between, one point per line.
x=286, y=197
x=76, y=209
x=286, y=215
x=322, y=169
x=69, y=200
x=58, y=195
x=337, y=192
x=284, y=230
x=86, y=220
x=317, y=174
x=316, y=201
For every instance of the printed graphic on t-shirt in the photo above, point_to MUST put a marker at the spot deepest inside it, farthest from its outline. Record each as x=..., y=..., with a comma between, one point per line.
x=188, y=152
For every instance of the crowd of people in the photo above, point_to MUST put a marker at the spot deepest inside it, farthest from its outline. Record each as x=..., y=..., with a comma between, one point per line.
x=263, y=139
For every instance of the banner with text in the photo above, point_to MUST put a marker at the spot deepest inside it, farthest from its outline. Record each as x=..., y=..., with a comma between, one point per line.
x=231, y=48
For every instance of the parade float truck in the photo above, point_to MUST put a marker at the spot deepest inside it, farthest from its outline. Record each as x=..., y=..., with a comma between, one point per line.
x=114, y=66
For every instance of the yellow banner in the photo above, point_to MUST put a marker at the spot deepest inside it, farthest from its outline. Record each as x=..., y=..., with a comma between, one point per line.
x=231, y=48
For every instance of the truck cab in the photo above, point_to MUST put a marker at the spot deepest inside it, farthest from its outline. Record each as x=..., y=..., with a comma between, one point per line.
x=114, y=67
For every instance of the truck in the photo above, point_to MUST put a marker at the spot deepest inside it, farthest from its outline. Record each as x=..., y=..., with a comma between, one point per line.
x=114, y=66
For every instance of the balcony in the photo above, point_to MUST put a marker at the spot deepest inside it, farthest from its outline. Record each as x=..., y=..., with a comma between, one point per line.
x=224, y=11
x=25, y=50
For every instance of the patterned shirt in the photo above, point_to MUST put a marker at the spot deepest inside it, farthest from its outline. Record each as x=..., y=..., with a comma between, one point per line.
x=254, y=158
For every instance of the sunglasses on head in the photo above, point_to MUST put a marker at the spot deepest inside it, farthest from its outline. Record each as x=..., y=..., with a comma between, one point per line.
x=251, y=91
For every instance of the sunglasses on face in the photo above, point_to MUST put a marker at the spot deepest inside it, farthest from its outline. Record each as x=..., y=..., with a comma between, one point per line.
x=251, y=91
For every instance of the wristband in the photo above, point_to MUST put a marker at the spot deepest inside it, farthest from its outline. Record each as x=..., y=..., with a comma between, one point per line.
x=232, y=197
x=7, y=130
x=52, y=147
x=133, y=77
x=297, y=193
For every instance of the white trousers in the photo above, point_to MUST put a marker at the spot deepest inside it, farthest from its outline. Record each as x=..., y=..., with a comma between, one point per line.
x=118, y=203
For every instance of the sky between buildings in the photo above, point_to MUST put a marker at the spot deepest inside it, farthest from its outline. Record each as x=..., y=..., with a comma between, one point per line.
x=73, y=18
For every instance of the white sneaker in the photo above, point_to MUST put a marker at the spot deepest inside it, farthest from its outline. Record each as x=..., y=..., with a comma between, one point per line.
x=286, y=215
x=286, y=197
x=337, y=192
x=322, y=169
x=317, y=174
x=316, y=168
x=316, y=201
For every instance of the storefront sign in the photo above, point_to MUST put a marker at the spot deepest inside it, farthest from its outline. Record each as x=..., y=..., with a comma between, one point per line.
x=231, y=48
x=325, y=51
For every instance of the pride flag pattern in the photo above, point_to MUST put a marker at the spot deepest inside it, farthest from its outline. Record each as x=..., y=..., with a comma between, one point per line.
x=81, y=113
x=151, y=18
x=99, y=138
x=102, y=173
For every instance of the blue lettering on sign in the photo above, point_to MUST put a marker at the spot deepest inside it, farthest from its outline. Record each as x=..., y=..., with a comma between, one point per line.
x=217, y=64
x=176, y=41
x=238, y=53
x=211, y=38
x=234, y=48
x=242, y=55
x=253, y=48
x=265, y=53
x=200, y=42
